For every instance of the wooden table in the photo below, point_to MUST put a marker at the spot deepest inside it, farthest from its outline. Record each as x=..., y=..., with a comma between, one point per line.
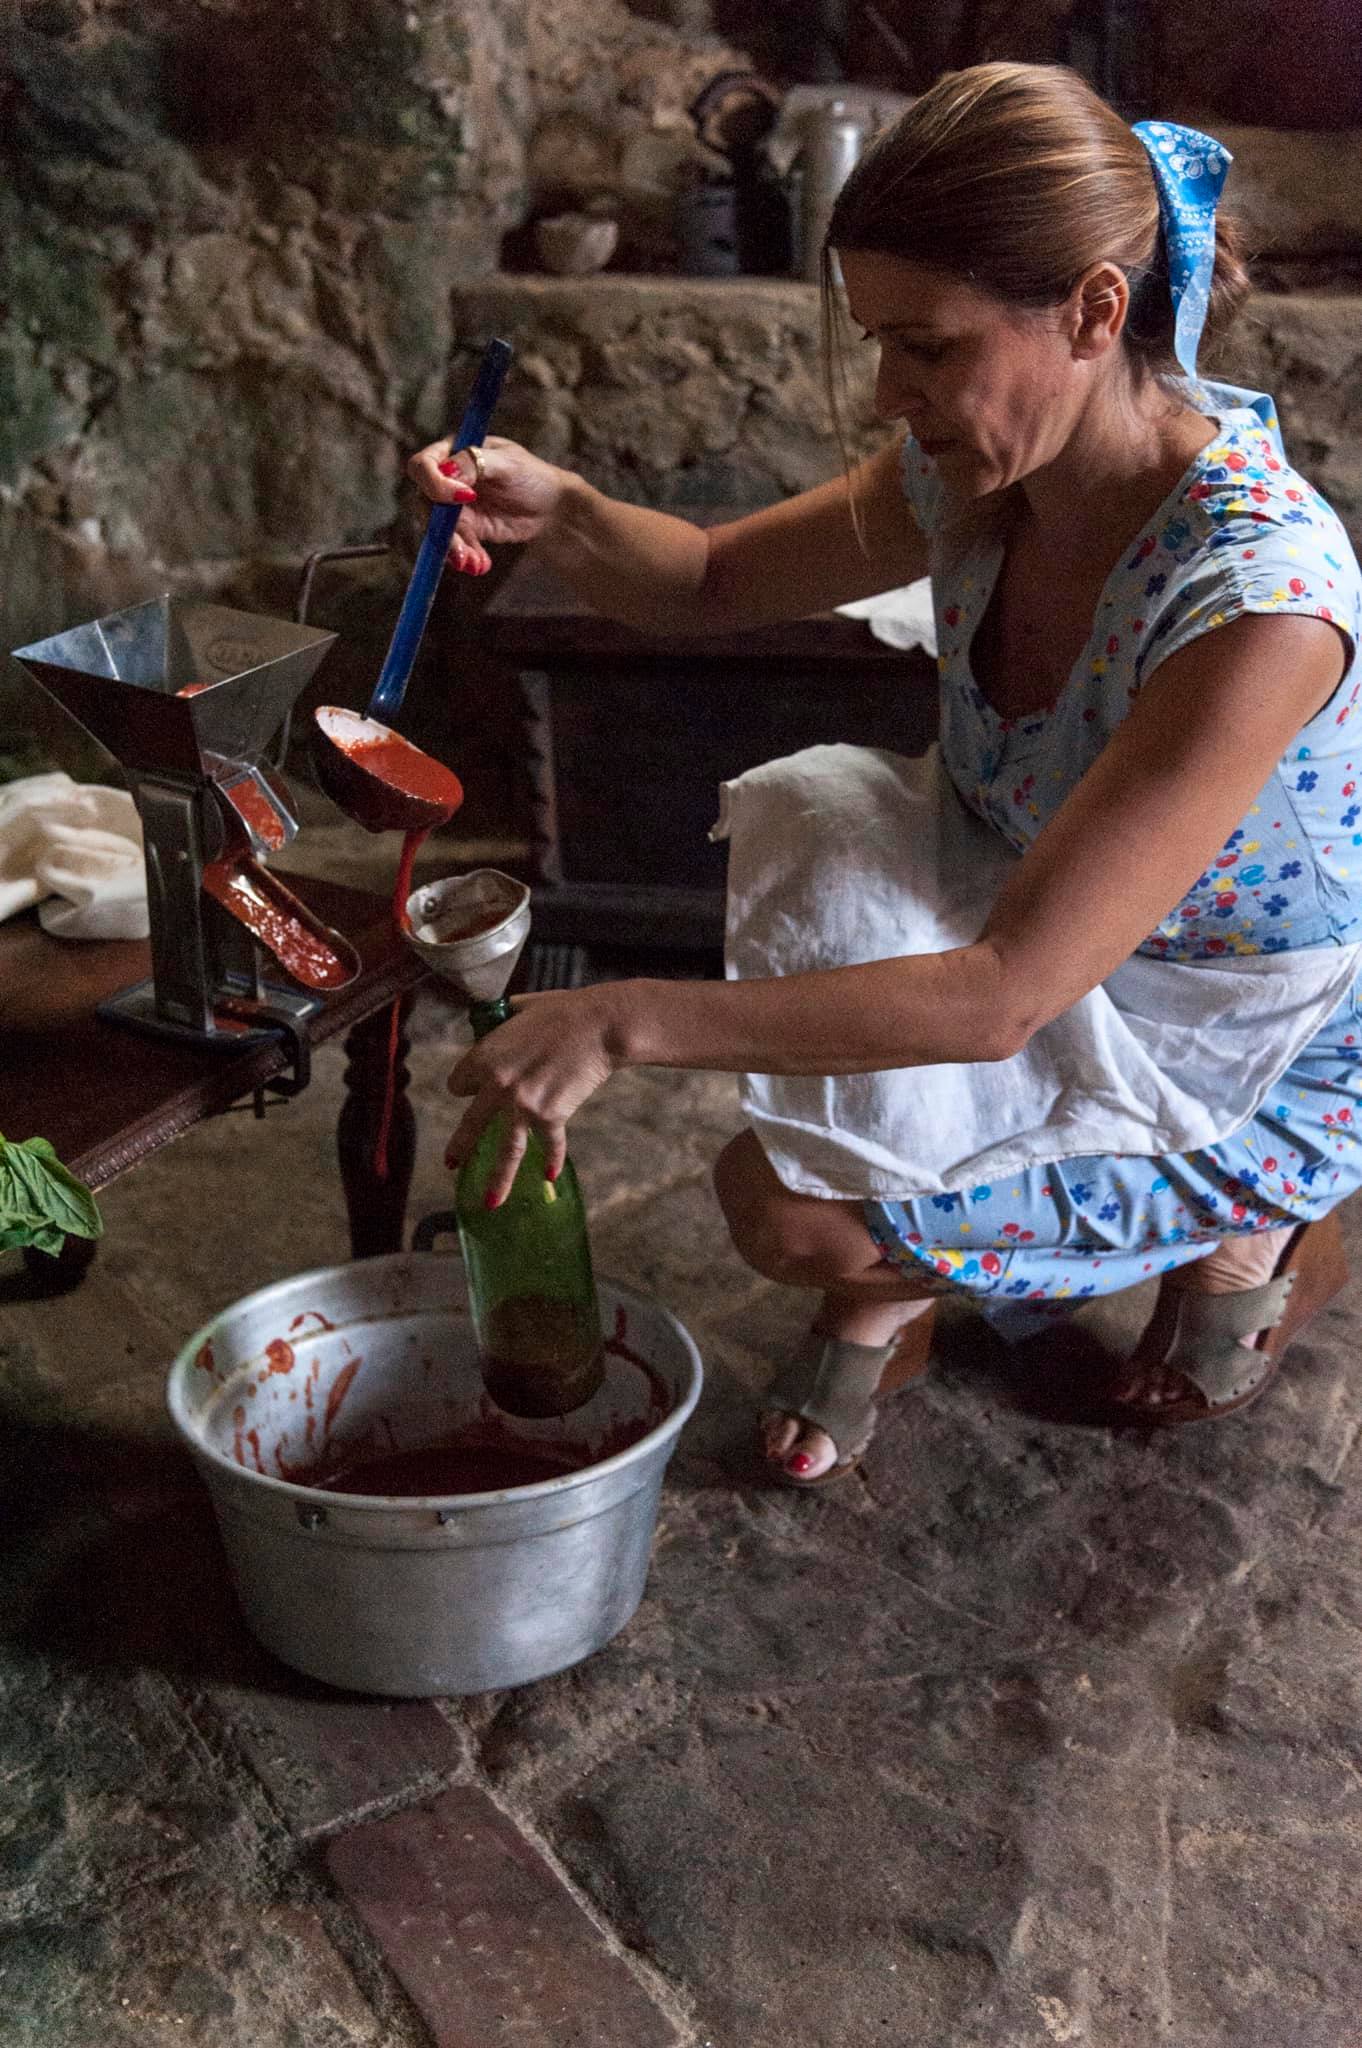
x=107, y=1096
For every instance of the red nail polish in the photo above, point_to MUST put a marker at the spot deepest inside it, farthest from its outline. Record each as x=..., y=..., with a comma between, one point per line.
x=799, y=1463
x=491, y=1201
x=553, y=1173
x=449, y=467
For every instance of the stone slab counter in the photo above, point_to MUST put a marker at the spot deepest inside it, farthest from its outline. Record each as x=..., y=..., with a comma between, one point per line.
x=673, y=390
x=669, y=389
x=1298, y=191
x=1306, y=349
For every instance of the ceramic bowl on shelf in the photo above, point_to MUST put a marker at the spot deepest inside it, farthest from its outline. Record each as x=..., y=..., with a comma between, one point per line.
x=575, y=244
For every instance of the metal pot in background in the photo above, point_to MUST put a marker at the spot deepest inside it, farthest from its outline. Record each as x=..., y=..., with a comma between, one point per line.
x=820, y=134
x=834, y=136
x=737, y=220
x=707, y=228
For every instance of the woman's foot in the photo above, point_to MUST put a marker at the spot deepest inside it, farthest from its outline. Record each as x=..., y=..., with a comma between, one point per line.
x=1235, y=1266
x=809, y=1241
x=876, y=1339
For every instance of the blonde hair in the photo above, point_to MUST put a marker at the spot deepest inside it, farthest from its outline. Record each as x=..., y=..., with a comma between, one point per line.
x=1018, y=178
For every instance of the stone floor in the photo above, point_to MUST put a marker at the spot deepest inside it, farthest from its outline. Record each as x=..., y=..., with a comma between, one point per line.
x=1026, y=1735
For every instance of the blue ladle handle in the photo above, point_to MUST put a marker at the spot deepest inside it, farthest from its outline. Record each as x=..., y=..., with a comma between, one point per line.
x=391, y=686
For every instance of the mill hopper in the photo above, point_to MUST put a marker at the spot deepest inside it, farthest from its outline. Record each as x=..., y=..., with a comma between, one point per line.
x=187, y=695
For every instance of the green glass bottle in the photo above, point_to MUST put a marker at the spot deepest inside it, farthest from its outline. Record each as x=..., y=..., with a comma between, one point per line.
x=528, y=1263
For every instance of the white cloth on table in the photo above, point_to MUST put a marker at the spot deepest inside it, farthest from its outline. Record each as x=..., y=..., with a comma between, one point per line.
x=840, y=855
x=74, y=849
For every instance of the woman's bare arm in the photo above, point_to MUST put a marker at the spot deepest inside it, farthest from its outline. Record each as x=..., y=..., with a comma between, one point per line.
x=1158, y=804
x=802, y=556
x=665, y=574
x=1201, y=741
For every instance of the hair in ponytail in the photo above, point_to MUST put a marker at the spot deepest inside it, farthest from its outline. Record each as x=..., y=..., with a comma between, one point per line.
x=1018, y=178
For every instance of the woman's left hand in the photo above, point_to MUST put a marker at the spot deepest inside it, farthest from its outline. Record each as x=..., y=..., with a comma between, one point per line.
x=536, y=1068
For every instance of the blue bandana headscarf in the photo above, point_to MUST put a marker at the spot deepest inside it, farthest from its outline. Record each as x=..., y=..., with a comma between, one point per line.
x=1189, y=170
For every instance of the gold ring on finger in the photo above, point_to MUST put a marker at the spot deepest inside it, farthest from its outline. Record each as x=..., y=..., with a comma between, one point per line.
x=479, y=467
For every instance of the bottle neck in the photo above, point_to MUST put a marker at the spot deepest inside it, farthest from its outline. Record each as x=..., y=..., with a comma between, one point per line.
x=485, y=1017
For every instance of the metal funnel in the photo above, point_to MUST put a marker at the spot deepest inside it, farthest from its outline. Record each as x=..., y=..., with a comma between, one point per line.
x=121, y=678
x=470, y=930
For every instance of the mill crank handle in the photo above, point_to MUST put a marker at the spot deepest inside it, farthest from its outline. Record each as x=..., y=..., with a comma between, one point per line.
x=411, y=620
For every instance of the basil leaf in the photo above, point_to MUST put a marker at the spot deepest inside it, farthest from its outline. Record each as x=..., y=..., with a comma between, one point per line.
x=70, y=1205
x=22, y=1230
x=41, y=1203
x=43, y=1237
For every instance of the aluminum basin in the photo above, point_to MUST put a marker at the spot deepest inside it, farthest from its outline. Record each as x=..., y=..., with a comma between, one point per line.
x=445, y=1594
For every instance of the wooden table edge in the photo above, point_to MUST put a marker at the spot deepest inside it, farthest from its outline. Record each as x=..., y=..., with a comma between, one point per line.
x=236, y=1076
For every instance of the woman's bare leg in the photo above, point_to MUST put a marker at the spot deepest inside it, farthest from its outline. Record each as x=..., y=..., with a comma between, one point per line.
x=804, y=1241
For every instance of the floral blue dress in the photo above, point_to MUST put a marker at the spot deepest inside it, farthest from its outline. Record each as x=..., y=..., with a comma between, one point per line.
x=1241, y=532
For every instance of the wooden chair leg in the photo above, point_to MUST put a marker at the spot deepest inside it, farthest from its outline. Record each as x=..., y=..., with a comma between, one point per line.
x=376, y=1202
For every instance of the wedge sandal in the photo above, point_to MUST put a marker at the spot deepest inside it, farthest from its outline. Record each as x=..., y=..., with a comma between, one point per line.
x=1197, y=1335
x=832, y=1384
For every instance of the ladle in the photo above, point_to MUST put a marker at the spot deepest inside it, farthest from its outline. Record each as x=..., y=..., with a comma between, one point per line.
x=379, y=779
x=374, y=775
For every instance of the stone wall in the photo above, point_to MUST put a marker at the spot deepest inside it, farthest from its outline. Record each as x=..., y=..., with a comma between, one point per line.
x=229, y=234
x=232, y=234
x=249, y=250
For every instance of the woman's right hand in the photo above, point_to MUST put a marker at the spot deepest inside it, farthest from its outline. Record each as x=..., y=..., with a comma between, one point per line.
x=516, y=497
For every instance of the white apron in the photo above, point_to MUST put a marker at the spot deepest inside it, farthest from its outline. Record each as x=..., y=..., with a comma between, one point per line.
x=840, y=855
